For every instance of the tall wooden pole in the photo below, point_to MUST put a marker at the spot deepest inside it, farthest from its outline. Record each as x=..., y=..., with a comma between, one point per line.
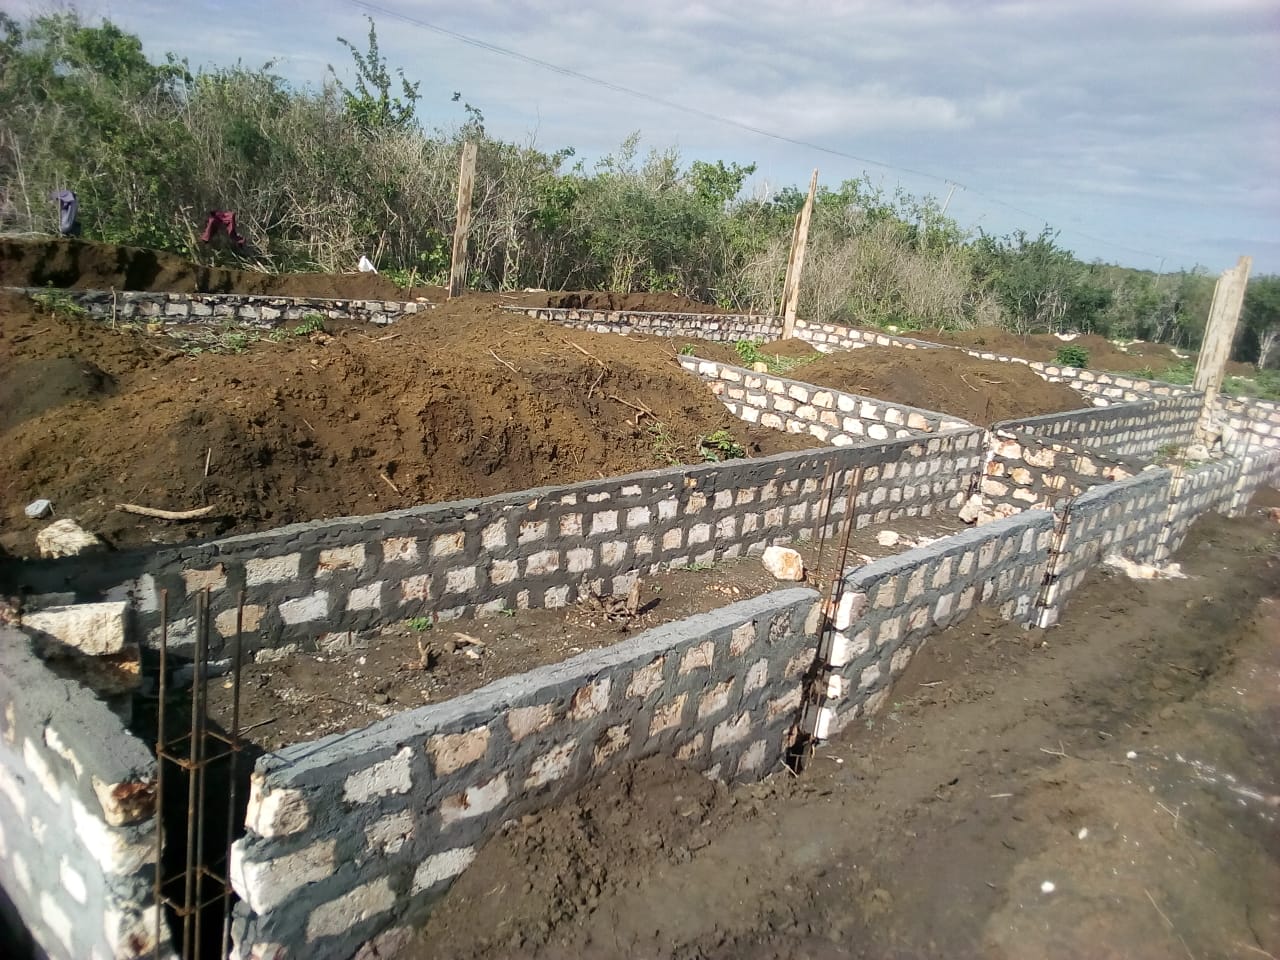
x=466, y=182
x=796, y=264
x=1219, y=334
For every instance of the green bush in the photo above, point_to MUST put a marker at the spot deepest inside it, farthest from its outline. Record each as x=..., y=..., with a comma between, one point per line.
x=1070, y=355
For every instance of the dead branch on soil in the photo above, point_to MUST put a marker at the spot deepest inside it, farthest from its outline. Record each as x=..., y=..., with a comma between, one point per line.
x=504, y=362
x=968, y=384
x=387, y=481
x=165, y=514
x=639, y=406
x=1056, y=753
x=587, y=353
x=1166, y=919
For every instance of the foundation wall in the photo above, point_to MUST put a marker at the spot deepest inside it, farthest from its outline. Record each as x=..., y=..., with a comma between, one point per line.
x=1024, y=471
x=1256, y=423
x=309, y=585
x=841, y=419
x=1127, y=429
x=719, y=327
x=888, y=608
x=77, y=830
x=349, y=834
x=240, y=309
x=1125, y=518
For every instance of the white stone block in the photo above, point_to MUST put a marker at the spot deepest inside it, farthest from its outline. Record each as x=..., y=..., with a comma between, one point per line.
x=306, y=609
x=392, y=775
x=92, y=628
x=268, y=883
x=442, y=866
x=338, y=916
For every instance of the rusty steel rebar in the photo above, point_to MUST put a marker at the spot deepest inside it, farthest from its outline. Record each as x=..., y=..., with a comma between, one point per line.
x=199, y=748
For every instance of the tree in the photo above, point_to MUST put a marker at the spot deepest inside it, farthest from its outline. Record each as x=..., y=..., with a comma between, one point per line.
x=371, y=102
x=1261, y=315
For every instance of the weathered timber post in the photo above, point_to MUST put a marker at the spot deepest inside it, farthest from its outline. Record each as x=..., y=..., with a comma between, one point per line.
x=466, y=182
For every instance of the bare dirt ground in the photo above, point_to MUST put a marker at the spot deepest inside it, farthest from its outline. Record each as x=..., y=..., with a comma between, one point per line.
x=463, y=401
x=1105, y=789
x=366, y=678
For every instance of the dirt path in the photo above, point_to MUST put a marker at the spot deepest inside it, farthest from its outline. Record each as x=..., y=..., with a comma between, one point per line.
x=1129, y=757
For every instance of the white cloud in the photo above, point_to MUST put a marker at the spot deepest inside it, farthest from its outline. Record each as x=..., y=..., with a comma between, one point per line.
x=1144, y=122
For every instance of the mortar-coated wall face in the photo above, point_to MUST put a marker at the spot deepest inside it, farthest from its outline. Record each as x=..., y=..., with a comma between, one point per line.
x=1124, y=518
x=1256, y=422
x=1129, y=429
x=1028, y=472
x=243, y=310
x=830, y=337
x=841, y=419
x=886, y=609
x=1200, y=489
x=353, y=832
x=312, y=583
x=77, y=795
x=719, y=327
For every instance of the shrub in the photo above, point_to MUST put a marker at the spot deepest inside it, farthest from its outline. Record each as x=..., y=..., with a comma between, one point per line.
x=1071, y=355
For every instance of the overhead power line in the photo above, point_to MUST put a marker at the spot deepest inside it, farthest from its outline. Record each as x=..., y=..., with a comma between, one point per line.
x=718, y=118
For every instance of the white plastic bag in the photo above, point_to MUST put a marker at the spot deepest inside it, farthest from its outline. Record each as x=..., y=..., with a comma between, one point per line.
x=366, y=266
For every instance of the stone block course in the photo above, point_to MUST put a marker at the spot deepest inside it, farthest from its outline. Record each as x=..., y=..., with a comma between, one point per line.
x=448, y=775
x=77, y=793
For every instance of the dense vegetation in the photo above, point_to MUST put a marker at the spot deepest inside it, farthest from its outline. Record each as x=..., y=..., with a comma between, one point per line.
x=321, y=176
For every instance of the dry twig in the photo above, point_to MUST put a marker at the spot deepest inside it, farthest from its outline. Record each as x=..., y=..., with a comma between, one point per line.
x=387, y=481
x=165, y=514
x=503, y=362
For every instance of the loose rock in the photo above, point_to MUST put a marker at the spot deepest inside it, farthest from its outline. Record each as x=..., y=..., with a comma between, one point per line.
x=783, y=562
x=66, y=538
x=38, y=509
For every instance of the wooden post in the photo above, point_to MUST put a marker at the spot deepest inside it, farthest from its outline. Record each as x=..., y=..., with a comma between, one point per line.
x=796, y=264
x=1219, y=334
x=466, y=182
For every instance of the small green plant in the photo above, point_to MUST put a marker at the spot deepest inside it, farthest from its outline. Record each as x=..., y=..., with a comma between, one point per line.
x=507, y=612
x=686, y=350
x=749, y=351
x=278, y=335
x=720, y=446
x=1071, y=355
x=419, y=624
x=311, y=323
x=59, y=303
x=236, y=342
x=664, y=445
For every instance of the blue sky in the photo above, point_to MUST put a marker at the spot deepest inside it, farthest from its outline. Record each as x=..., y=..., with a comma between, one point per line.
x=1142, y=129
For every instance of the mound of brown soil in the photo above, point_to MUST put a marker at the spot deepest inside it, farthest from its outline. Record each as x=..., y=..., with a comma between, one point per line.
x=947, y=381
x=360, y=422
x=83, y=265
x=1137, y=358
x=641, y=302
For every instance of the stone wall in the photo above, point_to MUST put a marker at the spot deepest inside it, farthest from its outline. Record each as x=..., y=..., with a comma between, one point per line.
x=1024, y=471
x=226, y=308
x=310, y=584
x=888, y=608
x=720, y=327
x=1256, y=423
x=1126, y=517
x=77, y=794
x=349, y=834
x=841, y=419
x=832, y=337
x=1126, y=429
